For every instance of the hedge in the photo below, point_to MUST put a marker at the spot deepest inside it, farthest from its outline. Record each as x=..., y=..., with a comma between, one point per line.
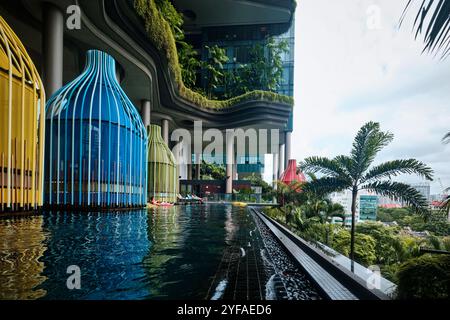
x=425, y=277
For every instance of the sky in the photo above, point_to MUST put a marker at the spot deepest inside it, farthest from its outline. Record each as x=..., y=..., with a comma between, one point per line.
x=353, y=64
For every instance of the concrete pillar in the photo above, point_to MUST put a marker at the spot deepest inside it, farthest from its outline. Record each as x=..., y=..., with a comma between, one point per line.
x=275, y=170
x=52, y=48
x=165, y=130
x=189, y=171
x=287, y=148
x=145, y=112
x=235, y=173
x=281, y=160
x=275, y=174
x=197, y=166
x=230, y=160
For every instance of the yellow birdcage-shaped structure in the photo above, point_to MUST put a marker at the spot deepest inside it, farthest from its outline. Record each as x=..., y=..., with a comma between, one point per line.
x=22, y=113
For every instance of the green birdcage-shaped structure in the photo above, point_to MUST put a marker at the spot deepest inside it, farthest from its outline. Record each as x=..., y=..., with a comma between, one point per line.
x=162, y=169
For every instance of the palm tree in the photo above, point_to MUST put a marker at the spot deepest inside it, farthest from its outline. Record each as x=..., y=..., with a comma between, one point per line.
x=433, y=20
x=355, y=173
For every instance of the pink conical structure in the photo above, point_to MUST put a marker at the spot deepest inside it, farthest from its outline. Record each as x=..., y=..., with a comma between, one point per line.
x=290, y=174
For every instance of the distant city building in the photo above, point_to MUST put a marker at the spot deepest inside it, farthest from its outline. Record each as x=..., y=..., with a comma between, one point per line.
x=424, y=189
x=368, y=206
x=344, y=198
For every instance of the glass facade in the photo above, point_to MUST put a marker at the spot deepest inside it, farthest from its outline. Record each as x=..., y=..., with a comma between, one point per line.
x=96, y=142
x=238, y=42
x=368, y=206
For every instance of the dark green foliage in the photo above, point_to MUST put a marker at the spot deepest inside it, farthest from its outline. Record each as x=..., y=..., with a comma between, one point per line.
x=436, y=222
x=189, y=63
x=213, y=68
x=264, y=70
x=433, y=21
x=215, y=171
x=258, y=181
x=387, y=242
x=161, y=34
x=425, y=277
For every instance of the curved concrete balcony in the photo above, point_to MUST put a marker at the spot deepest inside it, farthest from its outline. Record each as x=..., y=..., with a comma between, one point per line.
x=114, y=26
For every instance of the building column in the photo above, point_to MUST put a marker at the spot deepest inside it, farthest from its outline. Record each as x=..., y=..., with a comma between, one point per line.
x=197, y=166
x=52, y=48
x=165, y=130
x=275, y=170
x=287, y=148
x=189, y=171
x=145, y=113
x=275, y=174
x=281, y=160
x=230, y=160
x=235, y=173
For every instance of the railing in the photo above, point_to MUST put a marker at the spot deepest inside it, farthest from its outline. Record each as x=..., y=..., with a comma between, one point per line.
x=248, y=198
x=329, y=272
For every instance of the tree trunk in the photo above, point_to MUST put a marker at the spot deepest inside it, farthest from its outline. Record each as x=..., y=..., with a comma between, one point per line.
x=352, y=232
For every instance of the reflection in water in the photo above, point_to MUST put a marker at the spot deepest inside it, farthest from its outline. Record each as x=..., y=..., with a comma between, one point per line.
x=21, y=247
x=188, y=245
x=163, y=253
x=230, y=227
x=108, y=248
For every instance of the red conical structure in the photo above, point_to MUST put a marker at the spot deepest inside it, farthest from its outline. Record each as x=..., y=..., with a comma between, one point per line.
x=290, y=174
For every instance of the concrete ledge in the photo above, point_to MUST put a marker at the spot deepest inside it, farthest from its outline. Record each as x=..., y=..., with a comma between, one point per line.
x=336, y=282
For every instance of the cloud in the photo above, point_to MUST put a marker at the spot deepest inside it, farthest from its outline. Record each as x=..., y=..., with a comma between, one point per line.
x=347, y=74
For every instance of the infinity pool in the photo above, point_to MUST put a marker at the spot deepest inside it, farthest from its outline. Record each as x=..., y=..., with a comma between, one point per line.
x=185, y=252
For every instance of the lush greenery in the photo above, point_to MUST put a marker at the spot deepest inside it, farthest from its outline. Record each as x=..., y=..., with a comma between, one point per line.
x=388, y=246
x=436, y=223
x=258, y=181
x=264, y=70
x=213, y=68
x=426, y=277
x=212, y=171
x=162, y=26
x=355, y=173
x=397, y=248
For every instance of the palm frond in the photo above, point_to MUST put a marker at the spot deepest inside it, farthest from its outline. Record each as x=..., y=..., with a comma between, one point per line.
x=433, y=21
x=322, y=165
x=346, y=163
x=368, y=142
x=400, y=192
x=396, y=167
x=445, y=206
x=326, y=185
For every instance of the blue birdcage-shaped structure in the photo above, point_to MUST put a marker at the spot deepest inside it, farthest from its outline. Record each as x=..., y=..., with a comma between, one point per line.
x=96, y=142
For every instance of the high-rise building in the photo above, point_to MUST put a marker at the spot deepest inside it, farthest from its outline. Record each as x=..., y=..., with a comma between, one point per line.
x=424, y=189
x=368, y=206
x=136, y=35
x=238, y=40
x=344, y=198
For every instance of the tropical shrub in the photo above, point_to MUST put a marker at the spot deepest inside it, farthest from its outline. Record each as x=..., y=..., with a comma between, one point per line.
x=425, y=277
